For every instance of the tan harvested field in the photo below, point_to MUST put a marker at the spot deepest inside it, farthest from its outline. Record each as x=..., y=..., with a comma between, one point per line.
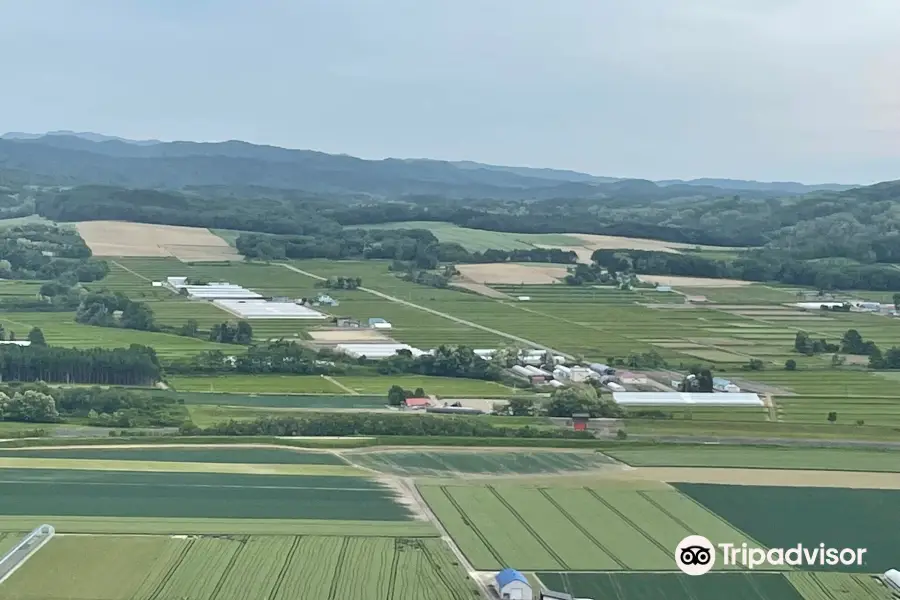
x=118, y=238
x=480, y=288
x=688, y=282
x=512, y=273
x=348, y=335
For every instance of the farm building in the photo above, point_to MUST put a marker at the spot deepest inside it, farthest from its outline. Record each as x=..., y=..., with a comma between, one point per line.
x=263, y=309
x=818, y=305
x=212, y=291
x=16, y=342
x=720, y=384
x=326, y=299
x=512, y=585
x=681, y=399
x=551, y=595
x=891, y=579
x=416, y=403
x=601, y=369
x=347, y=322
x=379, y=323
x=375, y=351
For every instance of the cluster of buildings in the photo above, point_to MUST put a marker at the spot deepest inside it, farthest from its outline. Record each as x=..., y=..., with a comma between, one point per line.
x=241, y=302
x=533, y=366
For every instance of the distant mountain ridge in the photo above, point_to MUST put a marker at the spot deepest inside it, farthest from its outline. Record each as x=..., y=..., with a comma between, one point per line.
x=85, y=158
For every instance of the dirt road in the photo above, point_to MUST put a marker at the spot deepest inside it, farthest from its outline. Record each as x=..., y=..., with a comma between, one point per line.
x=438, y=313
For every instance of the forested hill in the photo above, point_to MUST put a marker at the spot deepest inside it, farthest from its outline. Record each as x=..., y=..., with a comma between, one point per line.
x=79, y=159
x=862, y=224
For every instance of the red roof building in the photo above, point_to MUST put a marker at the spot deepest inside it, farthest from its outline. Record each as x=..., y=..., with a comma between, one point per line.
x=417, y=403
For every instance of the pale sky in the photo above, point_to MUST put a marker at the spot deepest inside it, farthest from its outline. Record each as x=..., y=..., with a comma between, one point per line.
x=804, y=90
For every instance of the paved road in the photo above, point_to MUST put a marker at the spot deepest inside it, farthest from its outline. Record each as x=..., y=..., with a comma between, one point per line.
x=444, y=315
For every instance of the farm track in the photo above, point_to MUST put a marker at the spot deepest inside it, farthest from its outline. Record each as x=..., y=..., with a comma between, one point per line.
x=279, y=580
x=438, y=313
x=528, y=528
x=625, y=519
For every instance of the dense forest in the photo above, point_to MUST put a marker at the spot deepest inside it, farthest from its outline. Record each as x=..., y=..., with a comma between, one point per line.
x=40, y=252
x=135, y=365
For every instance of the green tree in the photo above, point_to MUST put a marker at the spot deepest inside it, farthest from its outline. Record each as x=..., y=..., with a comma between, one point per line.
x=897, y=301
x=790, y=365
x=31, y=406
x=520, y=407
x=36, y=337
x=832, y=417
x=396, y=395
x=705, y=381
x=564, y=402
x=190, y=328
x=419, y=392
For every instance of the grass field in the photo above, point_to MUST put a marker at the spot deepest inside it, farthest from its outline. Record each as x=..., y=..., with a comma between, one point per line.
x=780, y=517
x=239, y=568
x=450, y=462
x=571, y=529
x=819, y=459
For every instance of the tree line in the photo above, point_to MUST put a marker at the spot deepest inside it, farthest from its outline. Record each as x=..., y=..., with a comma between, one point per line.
x=379, y=424
x=135, y=365
x=104, y=407
x=755, y=265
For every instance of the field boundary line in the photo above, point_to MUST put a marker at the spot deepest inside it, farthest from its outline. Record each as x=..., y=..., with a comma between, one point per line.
x=170, y=572
x=242, y=543
x=135, y=273
x=438, y=313
x=471, y=524
x=437, y=571
x=529, y=528
x=279, y=579
x=350, y=391
x=721, y=519
x=28, y=556
x=336, y=576
x=392, y=574
x=634, y=525
x=584, y=531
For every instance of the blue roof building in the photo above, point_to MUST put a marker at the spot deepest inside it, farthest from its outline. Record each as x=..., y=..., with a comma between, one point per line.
x=512, y=585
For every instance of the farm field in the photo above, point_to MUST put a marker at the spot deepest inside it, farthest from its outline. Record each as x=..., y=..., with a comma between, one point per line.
x=167, y=453
x=675, y=586
x=282, y=400
x=571, y=528
x=239, y=568
x=256, y=384
x=819, y=459
x=161, y=495
x=461, y=462
x=837, y=517
x=479, y=240
x=447, y=387
x=119, y=238
x=60, y=329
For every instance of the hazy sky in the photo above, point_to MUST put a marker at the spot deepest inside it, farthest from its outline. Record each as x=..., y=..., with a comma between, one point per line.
x=803, y=90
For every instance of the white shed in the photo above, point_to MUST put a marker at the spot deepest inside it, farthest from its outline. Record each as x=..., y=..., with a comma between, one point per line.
x=512, y=585
x=891, y=579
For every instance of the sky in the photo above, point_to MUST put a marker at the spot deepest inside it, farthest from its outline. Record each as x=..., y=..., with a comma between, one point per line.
x=800, y=90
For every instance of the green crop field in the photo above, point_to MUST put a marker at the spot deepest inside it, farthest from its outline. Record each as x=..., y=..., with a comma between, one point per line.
x=819, y=459
x=283, y=400
x=561, y=528
x=450, y=462
x=479, y=240
x=781, y=517
x=237, y=455
x=442, y=386
x=675, y=586
x=193, y=495
x=286, y=567
x=256, y=384
x=60, y=329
